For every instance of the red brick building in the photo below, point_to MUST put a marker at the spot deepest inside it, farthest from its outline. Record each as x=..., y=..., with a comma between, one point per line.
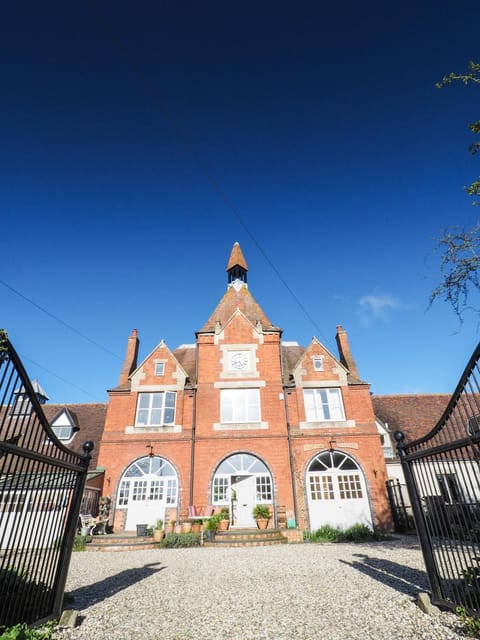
x=240, y=418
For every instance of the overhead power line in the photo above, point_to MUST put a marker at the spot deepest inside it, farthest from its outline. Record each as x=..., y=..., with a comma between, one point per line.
x=167, y=115
x=57, y=319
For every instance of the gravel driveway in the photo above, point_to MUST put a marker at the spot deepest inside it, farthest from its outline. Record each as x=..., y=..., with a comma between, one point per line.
x=294, y=592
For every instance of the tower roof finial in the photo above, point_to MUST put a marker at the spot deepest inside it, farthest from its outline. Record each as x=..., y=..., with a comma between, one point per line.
x=237, y=266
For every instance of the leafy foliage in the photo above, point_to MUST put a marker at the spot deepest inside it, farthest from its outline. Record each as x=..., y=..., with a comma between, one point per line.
x=471, y=625
x=24, y=632
x=460, y=259
x=356, y=533
x=178, y=540
x=16, y=586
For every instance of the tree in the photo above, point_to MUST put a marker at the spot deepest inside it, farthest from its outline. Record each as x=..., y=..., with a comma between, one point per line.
x=460, y=248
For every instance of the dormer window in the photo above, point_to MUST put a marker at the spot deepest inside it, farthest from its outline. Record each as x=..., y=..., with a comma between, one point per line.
x=64, y=425
x=63, y=432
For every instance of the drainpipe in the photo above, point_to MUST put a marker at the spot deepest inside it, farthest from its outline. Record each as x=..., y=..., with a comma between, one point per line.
x=289, y=440
x=194, y=422
x=290, y=453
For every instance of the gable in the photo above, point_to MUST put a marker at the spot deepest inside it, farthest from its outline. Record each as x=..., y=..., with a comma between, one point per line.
x=159, y=369
x=318, y=366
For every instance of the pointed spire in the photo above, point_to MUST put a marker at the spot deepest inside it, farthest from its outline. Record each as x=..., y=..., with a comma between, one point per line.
x=237, y=266
x=346, y=357
x=130, y=362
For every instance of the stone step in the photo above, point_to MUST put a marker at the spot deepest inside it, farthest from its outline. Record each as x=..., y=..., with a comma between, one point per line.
x=122, y=542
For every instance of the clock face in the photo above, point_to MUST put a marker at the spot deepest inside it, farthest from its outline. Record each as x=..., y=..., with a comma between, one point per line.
x=239, y=360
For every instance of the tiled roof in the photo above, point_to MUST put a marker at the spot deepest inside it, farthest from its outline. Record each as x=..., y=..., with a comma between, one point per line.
x=291, y=354
x=414, y=415
x=91, y=421
x=187, y=357
x=236, y=258
x=233, y=300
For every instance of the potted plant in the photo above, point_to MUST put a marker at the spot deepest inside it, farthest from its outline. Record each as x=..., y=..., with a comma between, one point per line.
x=261, y=513
x=158, y=531
x=211, y=527
x=224, y=519
x=186, y=526
x=197, y=526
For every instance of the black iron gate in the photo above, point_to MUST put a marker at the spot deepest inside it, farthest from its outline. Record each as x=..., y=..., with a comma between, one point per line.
x=442, y=472
x=41, y=486
x=400, y=505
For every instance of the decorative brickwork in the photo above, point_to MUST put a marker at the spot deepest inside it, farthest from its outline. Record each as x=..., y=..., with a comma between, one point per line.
x=236, y=396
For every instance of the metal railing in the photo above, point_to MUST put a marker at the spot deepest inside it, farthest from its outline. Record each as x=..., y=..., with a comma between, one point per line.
x=41, y=487
x=400, y=505
x=442, y=473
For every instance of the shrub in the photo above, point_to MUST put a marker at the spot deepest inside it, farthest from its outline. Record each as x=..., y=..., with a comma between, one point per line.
x=24, y=632
x=356, y=533
x=177, y=540
x=470, y=625
x=326, y=533
x=80, y=542
x=17, y=587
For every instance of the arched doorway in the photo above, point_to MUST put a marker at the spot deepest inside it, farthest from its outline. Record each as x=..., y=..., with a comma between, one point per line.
x=337, y=492
x=240, y=482
x=147, y=487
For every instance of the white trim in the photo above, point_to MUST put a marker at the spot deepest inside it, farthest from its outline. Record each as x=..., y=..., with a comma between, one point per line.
x=328, y=424
x=168, y=428
x=238, y=426
x=240, y=384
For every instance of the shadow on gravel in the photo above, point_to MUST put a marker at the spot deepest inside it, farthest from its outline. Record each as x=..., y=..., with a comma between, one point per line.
x=98, y=591
x=404, y=579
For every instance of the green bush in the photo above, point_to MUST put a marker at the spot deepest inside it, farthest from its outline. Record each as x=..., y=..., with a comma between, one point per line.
x=17, y=587
x=355, y=533
x=177, y=540
x=470, y=625
x=24, y=632
x=80, y=542
x=324, y=534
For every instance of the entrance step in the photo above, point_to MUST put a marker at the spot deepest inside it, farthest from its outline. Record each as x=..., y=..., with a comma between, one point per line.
x=247, y=538
x=120, y=542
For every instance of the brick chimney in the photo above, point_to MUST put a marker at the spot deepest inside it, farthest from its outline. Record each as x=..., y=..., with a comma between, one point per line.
x=346, y=357
x=130, y=363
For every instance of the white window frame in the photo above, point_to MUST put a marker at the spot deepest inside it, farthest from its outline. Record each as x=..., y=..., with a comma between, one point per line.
x=323, y=404
x=239, y=406
x=63, y=432
x=160, y=368
x=318, y=363
x=151, y=404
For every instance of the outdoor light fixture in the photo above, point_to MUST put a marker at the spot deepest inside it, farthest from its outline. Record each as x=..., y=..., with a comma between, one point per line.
x=150, y=446
x=332, y=444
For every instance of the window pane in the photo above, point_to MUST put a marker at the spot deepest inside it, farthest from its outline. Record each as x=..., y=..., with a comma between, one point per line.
x=323, y=404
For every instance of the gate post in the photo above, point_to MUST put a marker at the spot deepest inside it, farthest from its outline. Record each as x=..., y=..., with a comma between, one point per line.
x=419, y=517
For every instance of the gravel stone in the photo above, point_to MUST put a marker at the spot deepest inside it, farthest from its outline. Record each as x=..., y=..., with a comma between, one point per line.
x=295, y=592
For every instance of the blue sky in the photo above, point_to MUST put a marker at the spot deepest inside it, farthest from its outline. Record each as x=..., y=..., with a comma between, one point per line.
x=141, y=140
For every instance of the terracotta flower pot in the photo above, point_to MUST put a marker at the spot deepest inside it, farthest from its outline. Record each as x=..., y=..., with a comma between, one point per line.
x=262, y=523
x=158, y=535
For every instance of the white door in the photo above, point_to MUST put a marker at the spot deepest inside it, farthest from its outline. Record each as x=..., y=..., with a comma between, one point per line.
x=244, y=489
x=337, y=493
x=147, y=488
